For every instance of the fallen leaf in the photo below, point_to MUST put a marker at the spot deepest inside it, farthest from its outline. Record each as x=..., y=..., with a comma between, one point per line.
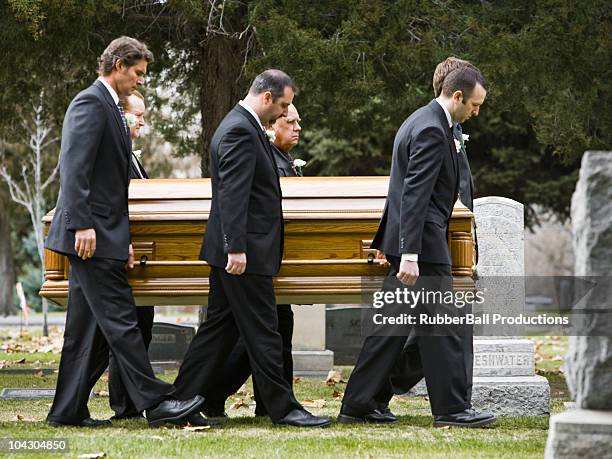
x=191, y=428
x=240, y=403
x=40, y=374
x=557, y=358
x=334, y=377
x=338, y=394
x=4, y=364
x=101, y=393
x=20, y=417
x=21, y=360
x=313, y=403
x=92, y=455
x=296, y=379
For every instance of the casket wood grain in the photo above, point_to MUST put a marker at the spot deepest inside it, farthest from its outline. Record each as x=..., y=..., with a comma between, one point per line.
x=329, y=224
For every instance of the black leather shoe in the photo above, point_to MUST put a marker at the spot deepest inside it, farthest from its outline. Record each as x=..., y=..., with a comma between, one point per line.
x=302, y=418
x=129, y=417
x=212, y=412
x=196, y=419
x=87, y=422
x=466, y=418
x=173, y=411
x=375, y=417
x=387, y=412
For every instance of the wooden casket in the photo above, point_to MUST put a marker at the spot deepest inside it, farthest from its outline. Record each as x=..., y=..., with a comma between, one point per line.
x=329, y=224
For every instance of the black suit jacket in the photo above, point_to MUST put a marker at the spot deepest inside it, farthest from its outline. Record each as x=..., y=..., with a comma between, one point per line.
x=423, y=188
x=466, y=181
x=284, y=163
x=94, y=168
x=246, y=213
x=136, y=169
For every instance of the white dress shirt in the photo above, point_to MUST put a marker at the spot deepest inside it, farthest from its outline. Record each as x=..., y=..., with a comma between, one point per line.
x=110, y=89
x=248, y=108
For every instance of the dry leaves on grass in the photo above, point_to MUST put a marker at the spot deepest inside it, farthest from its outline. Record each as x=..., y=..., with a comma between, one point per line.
x=334, y=377
x=240, y=403
x=26, y=343
x=191, y=428
x=92, y=455
x=338, y=394
x=313, y=403
x=101, y=393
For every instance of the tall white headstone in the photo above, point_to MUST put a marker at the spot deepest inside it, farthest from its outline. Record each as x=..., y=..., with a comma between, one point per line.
x=504, y=366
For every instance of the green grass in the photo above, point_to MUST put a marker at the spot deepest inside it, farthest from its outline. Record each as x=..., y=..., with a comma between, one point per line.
x=245, y=436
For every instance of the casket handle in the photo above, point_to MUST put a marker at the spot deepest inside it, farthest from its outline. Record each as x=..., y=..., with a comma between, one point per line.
x=143, y=260
x=370, y=258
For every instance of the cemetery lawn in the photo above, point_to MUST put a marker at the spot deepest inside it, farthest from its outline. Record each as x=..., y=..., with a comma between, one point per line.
x=245, y=436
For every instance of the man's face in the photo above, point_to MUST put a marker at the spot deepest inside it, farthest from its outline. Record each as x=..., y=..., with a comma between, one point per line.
x=465, y=109
x=287, y=129
x=274, y=109
x=128, y=79
x=137, y=108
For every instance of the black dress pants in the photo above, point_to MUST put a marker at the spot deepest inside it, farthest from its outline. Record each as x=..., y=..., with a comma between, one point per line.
x=238, y=306
x=441, y=356
x=120, y=401
x=408, y=369
x=101, y=318
x=237, y=368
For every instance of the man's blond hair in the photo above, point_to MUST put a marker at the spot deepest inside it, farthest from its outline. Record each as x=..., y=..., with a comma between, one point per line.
x=444, y=68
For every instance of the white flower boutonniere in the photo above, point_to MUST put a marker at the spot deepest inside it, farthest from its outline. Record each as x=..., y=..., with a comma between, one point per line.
x=465, y=137
x=131, y=120
x=137, y=153
x=457, y=145
x=297, y=165
x=271, y=135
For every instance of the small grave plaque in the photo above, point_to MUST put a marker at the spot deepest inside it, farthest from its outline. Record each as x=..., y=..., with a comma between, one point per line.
x=17, y=393
x=170, y=341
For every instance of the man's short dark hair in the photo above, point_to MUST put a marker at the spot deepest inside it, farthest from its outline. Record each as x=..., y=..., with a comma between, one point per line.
x=274, y=81
x=128, y=49
x=463, y=79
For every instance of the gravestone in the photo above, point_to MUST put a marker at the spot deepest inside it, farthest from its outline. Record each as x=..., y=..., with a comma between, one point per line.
x=504, y=380
x=169, y=342
x=311, y=358
x=587, y=430
x=504, y=366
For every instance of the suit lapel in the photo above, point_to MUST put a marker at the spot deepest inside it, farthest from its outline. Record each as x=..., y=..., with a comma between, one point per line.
x=115, y=111
x=439, y=111
x=262, y=137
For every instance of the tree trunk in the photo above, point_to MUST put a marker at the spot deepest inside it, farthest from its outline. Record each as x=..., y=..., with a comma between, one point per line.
x=222, y=59
x=222, y=87
x=7, y=274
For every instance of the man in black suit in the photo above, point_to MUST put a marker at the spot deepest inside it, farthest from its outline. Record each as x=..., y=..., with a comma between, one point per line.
x=409, y=370
x=243, y=245
x=91, y=227
x=423, y=188
x=120, y=402
x=285, y=133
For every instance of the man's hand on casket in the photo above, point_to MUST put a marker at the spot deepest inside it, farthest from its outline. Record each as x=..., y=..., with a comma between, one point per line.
x=408, y=272
x=236, y=263
x=381, y=259
x=85, y=243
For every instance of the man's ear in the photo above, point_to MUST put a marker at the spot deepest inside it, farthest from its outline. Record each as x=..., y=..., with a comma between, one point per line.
x=458, y=96
x=120, y=65
x=267, y=97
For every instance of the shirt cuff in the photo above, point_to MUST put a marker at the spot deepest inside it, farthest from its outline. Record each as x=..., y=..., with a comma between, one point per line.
x=410, y=257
